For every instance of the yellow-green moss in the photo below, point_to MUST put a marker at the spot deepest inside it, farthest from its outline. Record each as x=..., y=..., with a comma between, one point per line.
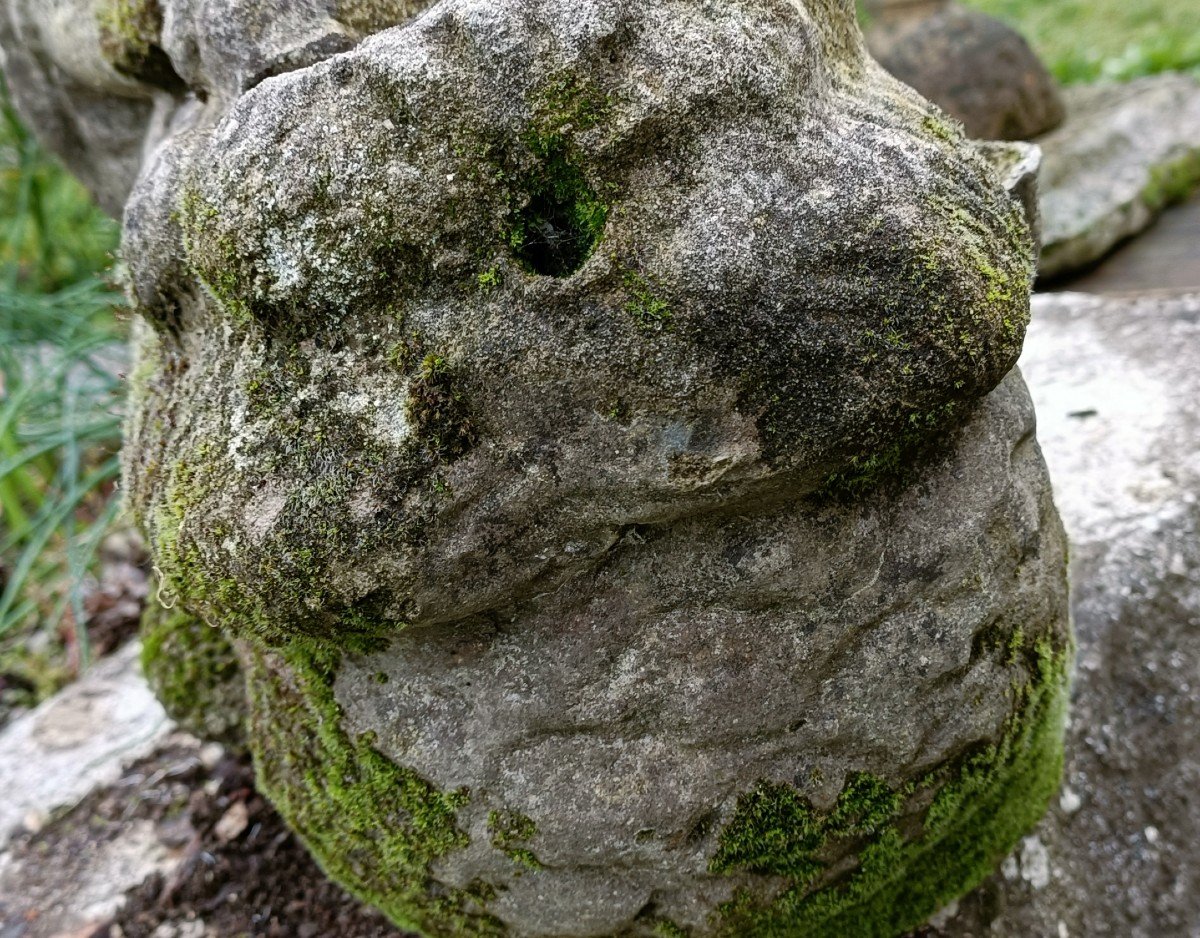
x=374, y=826
x=911, y=860
x=1174, y=182
x=562, y=218
x=369, y=16
x=438, y=409
x=130, y=37
x=650, y=311
x=510, y=832
x=194, y=672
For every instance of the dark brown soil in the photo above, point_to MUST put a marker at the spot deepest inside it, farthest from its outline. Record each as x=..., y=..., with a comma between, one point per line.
x=242, y=872
x=245, y=873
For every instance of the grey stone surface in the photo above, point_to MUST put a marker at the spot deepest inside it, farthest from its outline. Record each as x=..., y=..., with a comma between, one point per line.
x=1117, y=385
x=77, y=741
x=101, y=82
x=727, y=337
x=635, y=702
x=90, y=115
x=979, y=69
x=1125, y=153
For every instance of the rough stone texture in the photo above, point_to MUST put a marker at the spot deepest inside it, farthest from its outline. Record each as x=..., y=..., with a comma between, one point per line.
x=979, y=69
x=1117, y=384
x=81, y=107
x=512, y=400
x=1125, y=153
x=77, y=741
x=67, y=877
x=627, y=712
x=103, y=81
x=591, y=422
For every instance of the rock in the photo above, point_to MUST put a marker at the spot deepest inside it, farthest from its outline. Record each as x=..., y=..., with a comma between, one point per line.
x=595, y=425
x=566, y=331
x=102, y=81
x=978, y=69
x=1126, y=152
x=1117, y=384
x=78, y=741
x=71, y=877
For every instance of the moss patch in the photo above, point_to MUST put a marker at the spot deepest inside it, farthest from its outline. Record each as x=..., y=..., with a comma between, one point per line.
x=130, y=37
x=438, y=410
x=1174, y=182
x=374, y=826
x=563, y=218
x=510, y=832
x=895, y=465
x=370, y=16
x=194, y=671
x=909, y=861
x=650, y=311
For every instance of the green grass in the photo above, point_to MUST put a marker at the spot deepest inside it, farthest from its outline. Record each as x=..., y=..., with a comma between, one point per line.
x=60, y=401
x=1089, y=40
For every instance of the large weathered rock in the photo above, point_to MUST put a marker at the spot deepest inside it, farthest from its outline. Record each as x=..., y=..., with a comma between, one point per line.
x=587, y=420
x=977, y=68
x=1117, y=383
x=1125, y=153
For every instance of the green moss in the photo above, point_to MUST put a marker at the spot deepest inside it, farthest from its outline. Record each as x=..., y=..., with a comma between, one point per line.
x=665, y=928
x=943, y=129
x=374, y=826
x=214, y=258
x=910, y=860
x=510, y=831
x=438, y=410
x=130, y=37
x=562, y=218
x=649, y=311
x=894, y=465
x=194, y=672
x=1174, y=182
x=369, y=16
x=489, y=280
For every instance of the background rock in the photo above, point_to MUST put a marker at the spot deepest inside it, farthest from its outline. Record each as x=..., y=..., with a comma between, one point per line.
x=77, y=741
x=977, y=68
x=1117, y=384
x=1125, y=152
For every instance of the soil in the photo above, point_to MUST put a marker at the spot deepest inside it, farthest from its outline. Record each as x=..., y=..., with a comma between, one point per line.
x=242, y=871
x=245, y=873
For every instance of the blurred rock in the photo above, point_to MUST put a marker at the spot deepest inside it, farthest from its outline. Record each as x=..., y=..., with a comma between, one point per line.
x=1125, y=153
x=78, y=741
x=975, y=67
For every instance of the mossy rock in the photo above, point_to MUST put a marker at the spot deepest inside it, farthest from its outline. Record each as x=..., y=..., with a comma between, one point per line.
x=194, y=671
x=607, y=459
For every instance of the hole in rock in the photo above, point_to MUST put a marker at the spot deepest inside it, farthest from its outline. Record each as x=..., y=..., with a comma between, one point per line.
x=559, y=227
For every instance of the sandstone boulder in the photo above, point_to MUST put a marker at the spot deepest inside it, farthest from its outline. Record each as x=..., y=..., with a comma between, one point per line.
x=1125, y=153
